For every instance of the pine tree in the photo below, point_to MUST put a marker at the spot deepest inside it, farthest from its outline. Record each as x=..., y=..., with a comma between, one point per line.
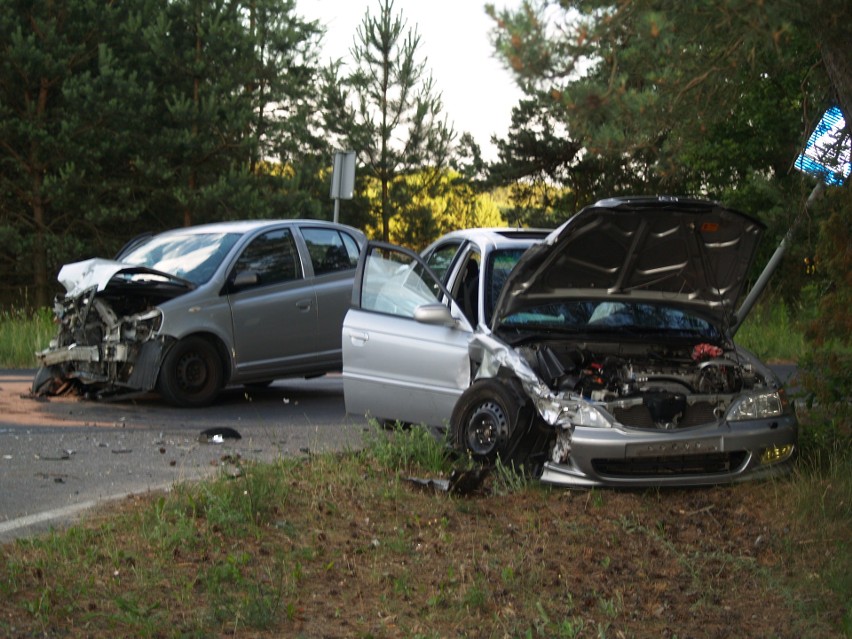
x=397, y=127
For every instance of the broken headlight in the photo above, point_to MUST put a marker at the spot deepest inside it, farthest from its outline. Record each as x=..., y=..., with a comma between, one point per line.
x=588, y=415
x=758, y=406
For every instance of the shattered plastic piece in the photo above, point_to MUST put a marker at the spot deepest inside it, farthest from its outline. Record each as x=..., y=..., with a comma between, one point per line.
x=440, y=485
x=218, y=435
x=461, y=482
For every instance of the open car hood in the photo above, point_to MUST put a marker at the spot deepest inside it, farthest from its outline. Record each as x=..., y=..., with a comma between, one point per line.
x=97, y=272
x=689, y=253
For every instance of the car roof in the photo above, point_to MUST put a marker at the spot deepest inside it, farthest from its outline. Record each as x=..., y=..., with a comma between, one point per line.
x=245, y=226
x=497, y=237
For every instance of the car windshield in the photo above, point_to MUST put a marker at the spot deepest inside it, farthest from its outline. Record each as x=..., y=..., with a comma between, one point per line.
x=626, y=318
x=191, y=256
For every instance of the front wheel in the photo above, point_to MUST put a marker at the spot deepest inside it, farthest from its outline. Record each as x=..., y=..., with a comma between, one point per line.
x=485, y=419
x=192, y=373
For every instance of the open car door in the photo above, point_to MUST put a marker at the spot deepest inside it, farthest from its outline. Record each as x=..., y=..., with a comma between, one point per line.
x=405, y=341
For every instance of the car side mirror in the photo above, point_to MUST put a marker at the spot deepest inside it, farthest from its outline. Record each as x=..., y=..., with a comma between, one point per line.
x=437, y=314
x=244, y=279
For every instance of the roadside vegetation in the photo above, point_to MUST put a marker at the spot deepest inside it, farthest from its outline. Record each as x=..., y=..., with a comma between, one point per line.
x=22, y=334
x=360, y=544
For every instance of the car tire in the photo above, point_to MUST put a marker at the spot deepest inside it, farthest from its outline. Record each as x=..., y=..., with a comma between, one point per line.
x=486, y=419
x=44, y=382
x=191, y=374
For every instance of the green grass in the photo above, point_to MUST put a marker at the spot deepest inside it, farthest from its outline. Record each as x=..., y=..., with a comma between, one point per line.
x=22, y=334
x=773, y=334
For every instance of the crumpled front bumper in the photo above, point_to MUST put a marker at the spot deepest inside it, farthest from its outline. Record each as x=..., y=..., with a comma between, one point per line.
x=592, y=448
x=705, y=455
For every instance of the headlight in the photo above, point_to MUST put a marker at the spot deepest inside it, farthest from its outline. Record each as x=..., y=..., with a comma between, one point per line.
x=759, y=406
x=588, y=415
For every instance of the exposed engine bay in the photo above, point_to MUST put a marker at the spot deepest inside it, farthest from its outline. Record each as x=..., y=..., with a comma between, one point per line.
x=646, y=385
x=106, y=343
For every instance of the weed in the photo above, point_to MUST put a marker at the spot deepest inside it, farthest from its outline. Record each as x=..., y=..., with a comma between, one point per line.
x=23, y=333
x=509, y=479
x=611, y=606
x=570, y=628
x=404, y=448
x=476, y=595
x=771, y=332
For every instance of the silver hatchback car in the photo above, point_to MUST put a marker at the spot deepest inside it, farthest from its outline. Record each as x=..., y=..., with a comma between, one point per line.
x=190, y=310
x=598, y=354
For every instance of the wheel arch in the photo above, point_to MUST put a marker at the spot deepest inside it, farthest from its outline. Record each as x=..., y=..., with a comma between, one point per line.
x=507, y=391
x=217, y=343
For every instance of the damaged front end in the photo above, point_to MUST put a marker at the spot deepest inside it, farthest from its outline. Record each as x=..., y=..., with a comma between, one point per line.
x=646, y=414
x=108, y=340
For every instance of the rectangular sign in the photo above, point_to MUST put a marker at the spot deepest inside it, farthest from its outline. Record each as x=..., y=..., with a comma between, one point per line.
x=827, y=153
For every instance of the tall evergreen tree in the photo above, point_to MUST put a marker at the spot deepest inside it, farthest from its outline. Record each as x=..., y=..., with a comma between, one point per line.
x=58, y=78
x=686, y=83
x=397, y=127
x=122, y=117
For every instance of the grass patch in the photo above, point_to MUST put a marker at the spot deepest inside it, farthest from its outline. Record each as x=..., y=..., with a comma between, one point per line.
x=23, y=333
x=773, y=333
x=340, y=545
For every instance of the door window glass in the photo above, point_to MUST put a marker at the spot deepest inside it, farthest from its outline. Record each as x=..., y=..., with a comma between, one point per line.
x=441, y=258
x=466, y=292
x=396, y=283
x=330, y=250
x=273, y=257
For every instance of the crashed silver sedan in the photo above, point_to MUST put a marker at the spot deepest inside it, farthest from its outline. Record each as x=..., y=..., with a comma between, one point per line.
x=190, y=310
x=599, y=354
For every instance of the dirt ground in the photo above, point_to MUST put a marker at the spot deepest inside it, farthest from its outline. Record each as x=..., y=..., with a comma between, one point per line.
x=354, y=561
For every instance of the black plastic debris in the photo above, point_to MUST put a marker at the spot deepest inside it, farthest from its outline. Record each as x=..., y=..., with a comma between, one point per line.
x=63, y=456
x=460, y=482
x=218, y=435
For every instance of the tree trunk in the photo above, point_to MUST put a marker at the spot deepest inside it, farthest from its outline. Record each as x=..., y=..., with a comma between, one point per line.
x=38, y=204
x=385, y=211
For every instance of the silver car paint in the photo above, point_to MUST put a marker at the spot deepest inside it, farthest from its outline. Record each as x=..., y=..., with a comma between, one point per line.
x=585, y=430
x=393, y=374
x=305, y=324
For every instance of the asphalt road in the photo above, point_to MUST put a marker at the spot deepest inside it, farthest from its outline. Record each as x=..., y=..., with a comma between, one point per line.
x=61, y=456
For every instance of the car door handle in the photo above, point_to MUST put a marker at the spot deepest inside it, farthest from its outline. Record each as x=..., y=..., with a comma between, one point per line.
x=359, y=338
x=304, y=305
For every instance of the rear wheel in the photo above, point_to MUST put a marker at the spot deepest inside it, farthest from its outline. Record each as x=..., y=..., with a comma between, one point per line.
x=191, y=374
x=485, y=420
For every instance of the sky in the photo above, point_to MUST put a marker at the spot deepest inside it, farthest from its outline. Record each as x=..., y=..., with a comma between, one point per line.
x=478, y=93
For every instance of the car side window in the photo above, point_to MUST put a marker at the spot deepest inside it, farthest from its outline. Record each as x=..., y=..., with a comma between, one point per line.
x=441, y=258
x=466, y=291
x=395, y=283
x=272, y=257
x=330, y=250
